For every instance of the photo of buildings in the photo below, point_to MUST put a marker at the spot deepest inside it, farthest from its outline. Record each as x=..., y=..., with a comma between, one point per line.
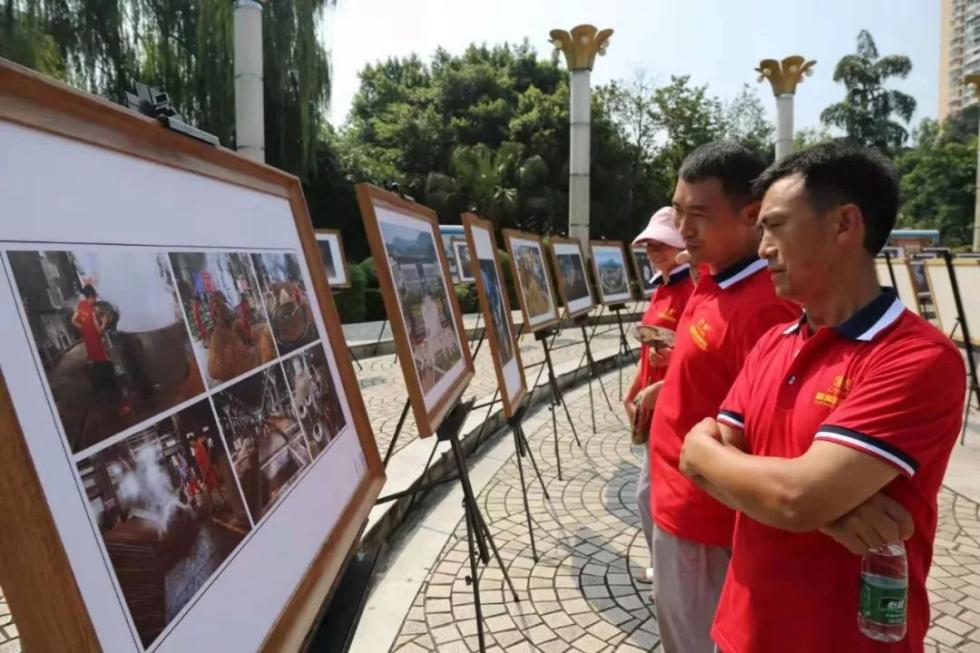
x=498, y=311
x=611, y=271
x=572, y=273
x=534, y=280
x=168, y=510
x=418, y=279
x=108, y=330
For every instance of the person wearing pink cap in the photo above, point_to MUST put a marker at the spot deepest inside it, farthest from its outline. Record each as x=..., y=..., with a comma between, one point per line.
x=673, y=285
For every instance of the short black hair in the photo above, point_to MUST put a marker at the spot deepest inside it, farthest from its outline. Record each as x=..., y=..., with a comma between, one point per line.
x=734, y=165
x=89, y=291
x=839, y=173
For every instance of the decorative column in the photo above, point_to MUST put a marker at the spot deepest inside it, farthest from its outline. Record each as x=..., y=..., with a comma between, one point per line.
x=784, y=76
x=580, y=48
x=973, y=81
x=249, y=102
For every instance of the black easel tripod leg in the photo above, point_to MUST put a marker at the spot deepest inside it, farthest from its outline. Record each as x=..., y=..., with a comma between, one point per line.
x=473, y=580
x=482, y=531
x=394, y=437
x=527, y=507
x=588, y=377
x=534, y=463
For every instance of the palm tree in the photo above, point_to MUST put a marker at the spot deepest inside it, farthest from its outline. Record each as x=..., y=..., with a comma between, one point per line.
x=484, y=175
x=866, y=112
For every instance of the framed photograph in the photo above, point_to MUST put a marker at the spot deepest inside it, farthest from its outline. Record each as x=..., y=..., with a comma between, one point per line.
x=461, y=252
x=533, y=281
x=609, y=266
x=496, y=312
x=573, y=280
x=448, y=232
x=420, y=302
x=334, y=259
x=644, y=270
x=181, y=427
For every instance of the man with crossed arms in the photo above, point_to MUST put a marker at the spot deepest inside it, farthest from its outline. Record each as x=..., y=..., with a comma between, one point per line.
x=839, y=426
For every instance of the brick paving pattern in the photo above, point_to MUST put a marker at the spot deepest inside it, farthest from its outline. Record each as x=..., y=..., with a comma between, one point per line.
x=580, y=595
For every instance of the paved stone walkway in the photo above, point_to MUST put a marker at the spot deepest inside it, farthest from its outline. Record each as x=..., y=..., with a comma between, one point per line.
x=580, y=595
x=9, y=639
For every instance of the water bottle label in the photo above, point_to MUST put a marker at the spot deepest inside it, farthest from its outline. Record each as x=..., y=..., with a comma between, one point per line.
x=883, y=605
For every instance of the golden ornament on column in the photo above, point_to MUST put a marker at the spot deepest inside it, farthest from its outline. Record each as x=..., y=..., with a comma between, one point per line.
x=581, y=45
x=786, y=74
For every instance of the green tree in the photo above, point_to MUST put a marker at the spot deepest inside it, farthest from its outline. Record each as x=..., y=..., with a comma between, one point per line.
x=938, y=182
x=746, y=122
x=871, y=114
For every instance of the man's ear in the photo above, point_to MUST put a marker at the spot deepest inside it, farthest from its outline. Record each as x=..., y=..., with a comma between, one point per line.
x=850, y=225
x=750, y=213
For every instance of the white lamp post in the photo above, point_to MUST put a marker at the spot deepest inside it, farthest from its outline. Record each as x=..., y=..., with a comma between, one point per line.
x=580, y=47
x=784, y=76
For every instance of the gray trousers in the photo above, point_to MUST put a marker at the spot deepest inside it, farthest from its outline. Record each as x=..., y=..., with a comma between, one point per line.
x=643, y=501
x=689, y=580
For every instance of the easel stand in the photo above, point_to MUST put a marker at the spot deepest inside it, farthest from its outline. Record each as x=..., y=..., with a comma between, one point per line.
x=967, y=341
x=581, y=322
x=624, y=343
x=381, y=332
x=524, y=450
x=543, y=336
x=478, y=535
x=401, y=419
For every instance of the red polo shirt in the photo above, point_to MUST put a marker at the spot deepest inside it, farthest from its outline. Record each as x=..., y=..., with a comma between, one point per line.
x=725, y=316
x=669, y=299
x=885, y=383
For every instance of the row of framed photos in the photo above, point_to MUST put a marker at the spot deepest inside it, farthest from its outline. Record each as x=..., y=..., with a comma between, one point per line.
x=416, y=283
x=566, y=254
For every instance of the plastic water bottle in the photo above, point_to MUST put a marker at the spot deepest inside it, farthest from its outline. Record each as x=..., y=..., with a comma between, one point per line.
x=882, y=608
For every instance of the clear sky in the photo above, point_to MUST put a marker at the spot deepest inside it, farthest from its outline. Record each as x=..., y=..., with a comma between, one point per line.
x=717, y=42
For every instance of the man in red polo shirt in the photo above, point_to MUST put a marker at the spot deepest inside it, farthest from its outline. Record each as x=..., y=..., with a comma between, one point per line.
x=672, y=288
x=732, y=305
x=841, y=422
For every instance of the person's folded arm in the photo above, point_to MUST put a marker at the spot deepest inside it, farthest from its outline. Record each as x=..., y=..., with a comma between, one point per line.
x=797, y=494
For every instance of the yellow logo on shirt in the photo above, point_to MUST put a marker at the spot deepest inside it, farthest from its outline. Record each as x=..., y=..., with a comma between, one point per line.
x=699, y=333
x=670, y=315
x=835, y=394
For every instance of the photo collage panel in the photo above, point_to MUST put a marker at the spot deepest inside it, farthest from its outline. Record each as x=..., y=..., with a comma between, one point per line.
x=193, y=390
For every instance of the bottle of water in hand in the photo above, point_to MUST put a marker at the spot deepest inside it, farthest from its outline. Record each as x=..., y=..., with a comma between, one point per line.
x=882, y=608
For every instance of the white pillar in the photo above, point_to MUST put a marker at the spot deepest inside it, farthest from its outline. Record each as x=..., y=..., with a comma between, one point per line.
x=580, y=118
x=249, y=102
x=784, y=125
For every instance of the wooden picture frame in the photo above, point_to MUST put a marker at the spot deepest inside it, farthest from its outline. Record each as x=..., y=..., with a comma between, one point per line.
x=330, y=238
x=548, y=315
x=646, y=284
x=611, y=290
x=430, y=405
x=967, y=276
x=925, y=298
x=565, y=275
x=497, y=316
x=48, y=529
x=465, y=271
